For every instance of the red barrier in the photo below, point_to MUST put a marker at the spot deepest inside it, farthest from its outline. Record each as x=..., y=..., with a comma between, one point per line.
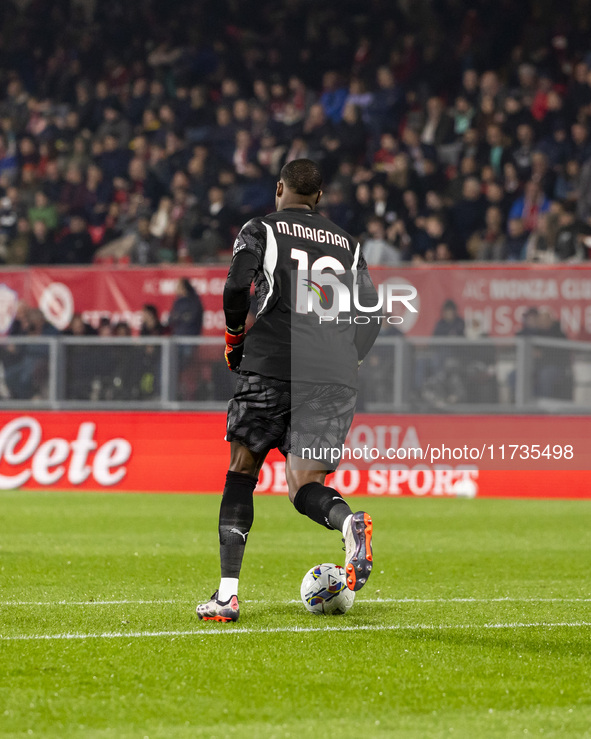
x=186, y=453
x=117, y=294
x=491, y=299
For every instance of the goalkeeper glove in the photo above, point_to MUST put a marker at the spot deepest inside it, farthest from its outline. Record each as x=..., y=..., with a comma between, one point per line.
x=234, y=347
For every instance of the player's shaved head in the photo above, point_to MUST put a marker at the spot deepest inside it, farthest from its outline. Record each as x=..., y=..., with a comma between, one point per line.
x=299, y=184
x=302, y=176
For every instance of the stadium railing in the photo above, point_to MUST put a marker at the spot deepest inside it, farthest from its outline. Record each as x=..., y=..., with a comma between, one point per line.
x=401, y=374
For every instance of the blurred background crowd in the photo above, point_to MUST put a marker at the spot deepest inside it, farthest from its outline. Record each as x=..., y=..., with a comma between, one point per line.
x=149, y=132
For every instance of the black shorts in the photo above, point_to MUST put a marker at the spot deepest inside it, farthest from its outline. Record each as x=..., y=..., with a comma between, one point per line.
x=266, y=413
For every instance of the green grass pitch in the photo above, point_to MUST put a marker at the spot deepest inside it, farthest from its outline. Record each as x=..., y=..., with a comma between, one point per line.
x=475, y=622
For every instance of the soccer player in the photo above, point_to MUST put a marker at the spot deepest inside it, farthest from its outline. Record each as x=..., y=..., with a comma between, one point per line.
x=297, y=366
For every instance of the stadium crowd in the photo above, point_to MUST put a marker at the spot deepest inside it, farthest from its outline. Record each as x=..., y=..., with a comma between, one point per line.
x=148, y=132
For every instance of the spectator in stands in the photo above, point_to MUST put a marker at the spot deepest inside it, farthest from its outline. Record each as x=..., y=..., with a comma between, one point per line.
x=336, y=207
x=114, y=125
x=417, y=151
x=438, y=128
x=496, y=155
x=151, y=325
x=450, y=323
x=161, y=218
x=17, y=367
x=136, y=244
x=540, y=243
x=556, y=146
x=383, y=207
x=463, y=114
x=213, y=232
x=552, y=371
x=8, y=218
x=584, y=202
x=317, y=129
x=31, y=372
x=530, y=324
x=568, y=243
x=104, y=328
x=362, y=209
x=523, y=150
x=333, y=97
x=496, y=197
x=430, y=232
x=376, y=249
x=580, y=148
x=78, y=327
x=439, y=375
x=531, y=206
x=516, y=240
x=76, y=246
x=186, y=319
x=186, y=315
x=16, y=250
x=43, y=210
x=387, y=103
x=114, y=159
x=489, y=243
x=468, y=214
x=271, y=152
x=42, y=249
x=351, y=133
x=542, y=174
x=567, y=182
x=145, y=248
x=122, y=329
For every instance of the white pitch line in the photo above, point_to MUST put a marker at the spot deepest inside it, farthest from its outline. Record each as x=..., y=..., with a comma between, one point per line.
x=507, y=599
x=87, y=602
x=290, y=629
x=462, y=600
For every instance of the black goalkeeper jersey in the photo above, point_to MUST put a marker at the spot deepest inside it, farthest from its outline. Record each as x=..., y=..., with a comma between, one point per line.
x=308, y=275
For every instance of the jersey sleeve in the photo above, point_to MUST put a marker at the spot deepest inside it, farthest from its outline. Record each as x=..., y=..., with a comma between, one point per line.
x=366, y=333
x=247, y=261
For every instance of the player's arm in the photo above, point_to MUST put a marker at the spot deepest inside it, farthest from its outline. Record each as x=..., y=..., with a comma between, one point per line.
x=366, y=333
x=247, y=260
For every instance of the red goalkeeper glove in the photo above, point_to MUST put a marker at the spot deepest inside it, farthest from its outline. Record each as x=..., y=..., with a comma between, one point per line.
x=234, y=347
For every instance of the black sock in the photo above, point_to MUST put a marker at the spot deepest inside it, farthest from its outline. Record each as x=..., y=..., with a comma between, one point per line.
x=236, y=517
x=322, y=504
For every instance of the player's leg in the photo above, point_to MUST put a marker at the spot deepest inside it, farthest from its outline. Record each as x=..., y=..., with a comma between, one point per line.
x=311, y=497
x=235, y=521
x=321, y=418
x=237, y=513
x=325, y=505
x=256, y=421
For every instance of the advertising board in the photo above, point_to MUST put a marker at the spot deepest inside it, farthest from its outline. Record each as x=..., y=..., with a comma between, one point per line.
x=186, y=453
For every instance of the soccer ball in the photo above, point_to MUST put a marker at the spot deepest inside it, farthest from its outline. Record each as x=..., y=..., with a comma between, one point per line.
x=324, y=590
x=465, y=489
